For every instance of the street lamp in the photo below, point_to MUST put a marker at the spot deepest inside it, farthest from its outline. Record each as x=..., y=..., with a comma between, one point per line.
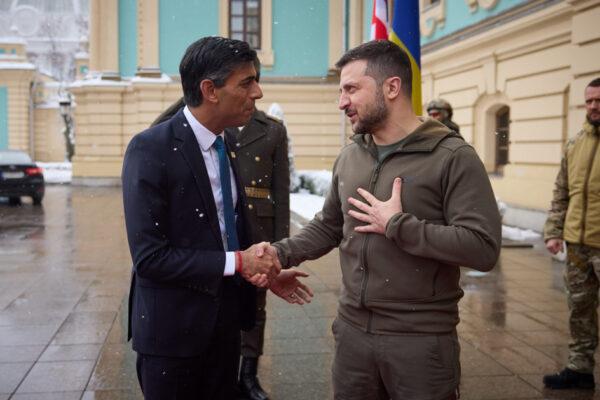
x=65, y=112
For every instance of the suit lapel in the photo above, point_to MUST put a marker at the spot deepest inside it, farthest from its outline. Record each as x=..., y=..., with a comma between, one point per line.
x=193, y=156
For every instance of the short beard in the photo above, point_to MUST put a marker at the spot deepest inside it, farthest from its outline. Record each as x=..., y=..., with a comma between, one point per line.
x=375, y=116
x=595, y=123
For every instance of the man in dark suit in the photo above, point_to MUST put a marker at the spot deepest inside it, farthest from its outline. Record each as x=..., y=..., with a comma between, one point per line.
x=190, y=294
x=261, y=150
x=262, y=154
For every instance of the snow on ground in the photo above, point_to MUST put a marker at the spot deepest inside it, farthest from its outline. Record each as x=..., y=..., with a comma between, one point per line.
x=509, y=232
x=305, y=204
x=56, y=172
x=320, y=180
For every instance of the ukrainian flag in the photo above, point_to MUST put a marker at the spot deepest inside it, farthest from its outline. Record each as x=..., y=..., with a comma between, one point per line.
x=405, y=33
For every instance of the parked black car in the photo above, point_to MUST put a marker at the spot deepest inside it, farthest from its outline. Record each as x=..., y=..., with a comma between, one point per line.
x=19, y=176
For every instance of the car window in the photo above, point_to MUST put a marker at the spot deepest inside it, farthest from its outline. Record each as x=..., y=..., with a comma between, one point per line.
x=14, y=157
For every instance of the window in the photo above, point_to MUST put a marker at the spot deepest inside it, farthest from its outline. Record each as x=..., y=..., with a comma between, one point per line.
x=245, y=21
x=502, y=137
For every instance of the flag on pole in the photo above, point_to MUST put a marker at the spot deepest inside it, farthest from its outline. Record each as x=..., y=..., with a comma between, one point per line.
x=379, y=22
x=405, y=33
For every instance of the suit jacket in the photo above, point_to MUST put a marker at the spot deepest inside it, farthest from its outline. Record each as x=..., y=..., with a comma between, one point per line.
x=175, y=243
x=261, y=151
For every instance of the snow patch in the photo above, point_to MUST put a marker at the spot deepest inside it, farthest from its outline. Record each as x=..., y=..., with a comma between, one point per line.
x=56, y=172
x=315, y=181
x=16, y=65
x=518, y=234
x=306, y=205
x=164, y=78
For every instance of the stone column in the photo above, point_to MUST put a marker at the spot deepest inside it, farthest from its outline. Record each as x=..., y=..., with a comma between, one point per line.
x=147, y=40
x=99, y=132
x=104, y=38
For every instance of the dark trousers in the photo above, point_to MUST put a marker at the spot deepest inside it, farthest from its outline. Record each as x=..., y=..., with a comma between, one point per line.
x=399, y=367
x=253, y=340
x=209, y=376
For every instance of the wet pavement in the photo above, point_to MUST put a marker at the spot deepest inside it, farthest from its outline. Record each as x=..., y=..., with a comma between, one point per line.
x=64, y=276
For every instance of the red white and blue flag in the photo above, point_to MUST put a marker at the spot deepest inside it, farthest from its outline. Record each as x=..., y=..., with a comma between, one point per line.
x=379, y=22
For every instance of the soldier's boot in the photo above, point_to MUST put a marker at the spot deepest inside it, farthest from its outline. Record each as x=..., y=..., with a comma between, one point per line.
x=249, y=384
x=569, y=379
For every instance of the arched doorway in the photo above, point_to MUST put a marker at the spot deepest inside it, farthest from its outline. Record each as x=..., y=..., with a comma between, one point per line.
x=491, y=131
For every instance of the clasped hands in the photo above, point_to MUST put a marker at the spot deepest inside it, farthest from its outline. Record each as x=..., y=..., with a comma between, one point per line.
x=261, y=267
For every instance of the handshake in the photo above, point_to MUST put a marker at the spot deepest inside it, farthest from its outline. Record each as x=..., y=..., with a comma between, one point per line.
x=259, y=265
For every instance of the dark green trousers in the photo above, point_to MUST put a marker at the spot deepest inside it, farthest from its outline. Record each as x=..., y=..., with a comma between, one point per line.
x=253, y=340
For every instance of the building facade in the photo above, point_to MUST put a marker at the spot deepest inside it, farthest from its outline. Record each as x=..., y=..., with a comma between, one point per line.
x=42, y=48
x=515, y=73
x=135, y=48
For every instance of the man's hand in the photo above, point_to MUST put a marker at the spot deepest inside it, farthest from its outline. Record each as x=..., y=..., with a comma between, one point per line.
x=289, y=288
x=263, y=248
x=377, y=213
x=554, y=245
x=253, y=265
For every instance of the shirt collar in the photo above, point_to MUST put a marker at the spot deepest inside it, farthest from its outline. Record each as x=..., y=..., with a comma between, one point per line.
x=204, y=137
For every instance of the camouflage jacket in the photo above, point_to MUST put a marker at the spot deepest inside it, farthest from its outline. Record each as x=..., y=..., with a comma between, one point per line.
x=572, y=213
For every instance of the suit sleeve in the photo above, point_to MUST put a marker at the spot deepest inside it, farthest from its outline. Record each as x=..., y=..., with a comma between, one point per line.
x=281, y=185
x=146, y=205
x=472, y=234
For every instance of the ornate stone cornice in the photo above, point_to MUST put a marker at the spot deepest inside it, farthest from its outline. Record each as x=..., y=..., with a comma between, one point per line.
x=432, y=17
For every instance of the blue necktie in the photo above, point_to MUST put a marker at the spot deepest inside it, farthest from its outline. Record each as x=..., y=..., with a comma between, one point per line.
x=228, y=211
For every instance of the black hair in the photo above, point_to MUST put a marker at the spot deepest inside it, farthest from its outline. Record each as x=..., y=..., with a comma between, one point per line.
x=384, y=60
x=213, y=58
x=594, y=83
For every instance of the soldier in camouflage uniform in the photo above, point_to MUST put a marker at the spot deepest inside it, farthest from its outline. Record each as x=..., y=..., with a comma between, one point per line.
x=574, y=217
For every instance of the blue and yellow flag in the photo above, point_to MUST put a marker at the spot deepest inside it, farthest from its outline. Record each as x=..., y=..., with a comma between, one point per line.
x=405, y=33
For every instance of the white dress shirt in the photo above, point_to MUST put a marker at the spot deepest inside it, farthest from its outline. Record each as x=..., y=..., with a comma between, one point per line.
x=206, y=140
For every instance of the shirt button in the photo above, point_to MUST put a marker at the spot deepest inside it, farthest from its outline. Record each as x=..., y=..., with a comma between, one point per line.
x=250, y=206
x=257, y=158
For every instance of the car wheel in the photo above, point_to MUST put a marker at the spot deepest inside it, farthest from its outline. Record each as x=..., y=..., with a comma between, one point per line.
x=14, y=201
x=37, y=200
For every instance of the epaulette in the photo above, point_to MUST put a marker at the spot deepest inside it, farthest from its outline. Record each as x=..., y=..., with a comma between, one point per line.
x=272, y=118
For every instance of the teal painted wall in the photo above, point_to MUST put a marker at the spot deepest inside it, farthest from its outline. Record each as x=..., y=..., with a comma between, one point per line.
x=127, y=37
x=300, y=38
x=181, y=23
x=367, y=16
x=3, y=117
x=458, y=16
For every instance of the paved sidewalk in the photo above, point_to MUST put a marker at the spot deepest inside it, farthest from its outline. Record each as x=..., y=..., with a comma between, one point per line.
x=64, y=275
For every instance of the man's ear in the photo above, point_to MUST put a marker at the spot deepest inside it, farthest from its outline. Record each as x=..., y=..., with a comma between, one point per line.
x=392, y=87
x=208, y=90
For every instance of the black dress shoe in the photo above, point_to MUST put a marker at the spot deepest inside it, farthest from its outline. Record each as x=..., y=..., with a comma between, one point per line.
x=569, y=379
x=248, y=383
